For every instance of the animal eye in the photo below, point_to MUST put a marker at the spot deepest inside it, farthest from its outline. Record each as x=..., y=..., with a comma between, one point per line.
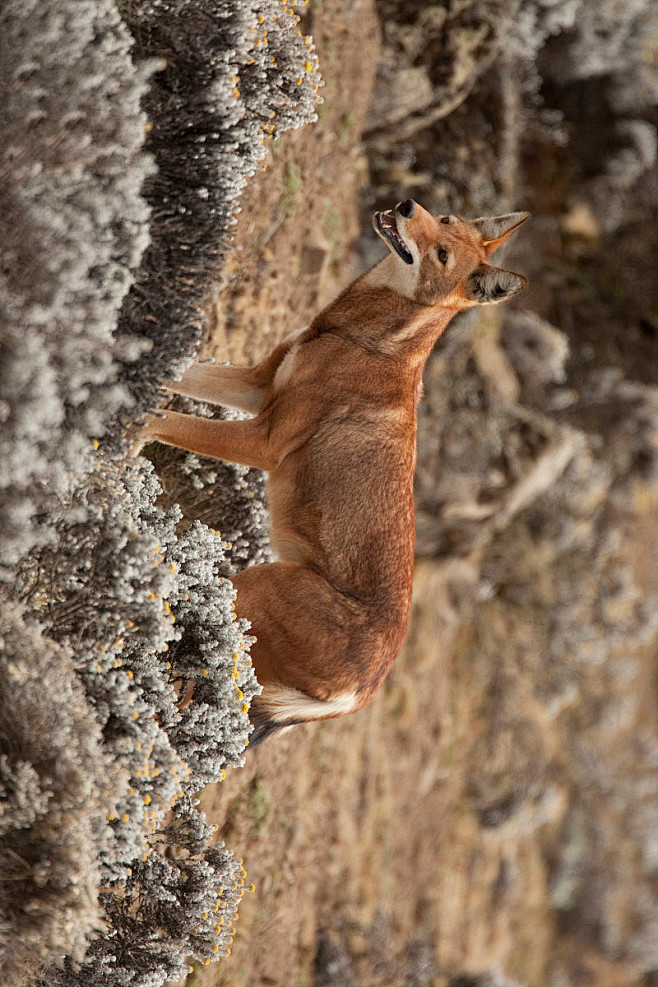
x=446, y=220
x=442, y=255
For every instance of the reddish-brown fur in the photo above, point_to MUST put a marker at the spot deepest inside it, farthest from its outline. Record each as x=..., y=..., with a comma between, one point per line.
x=335, y=427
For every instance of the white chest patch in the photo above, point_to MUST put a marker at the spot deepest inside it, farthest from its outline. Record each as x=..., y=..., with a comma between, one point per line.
x=392, y=272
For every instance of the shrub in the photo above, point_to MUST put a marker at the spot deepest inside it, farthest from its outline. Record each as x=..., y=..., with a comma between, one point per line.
x=73, y=225
x=147, y=618
x=53, y=769
x=125, y=615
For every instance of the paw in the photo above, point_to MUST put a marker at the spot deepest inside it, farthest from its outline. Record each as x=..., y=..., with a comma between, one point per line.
x=137, y=436
x=141, y=432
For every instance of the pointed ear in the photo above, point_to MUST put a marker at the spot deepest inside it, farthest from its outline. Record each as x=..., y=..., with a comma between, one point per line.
x=495, y=229
x=492, y=284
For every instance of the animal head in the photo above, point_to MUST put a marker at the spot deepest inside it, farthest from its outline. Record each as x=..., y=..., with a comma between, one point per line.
x=443, y=260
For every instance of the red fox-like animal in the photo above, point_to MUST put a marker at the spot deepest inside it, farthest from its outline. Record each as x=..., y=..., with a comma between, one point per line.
x=334, y=426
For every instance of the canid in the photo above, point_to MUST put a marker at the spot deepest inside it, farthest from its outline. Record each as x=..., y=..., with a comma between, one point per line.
x=334, y=426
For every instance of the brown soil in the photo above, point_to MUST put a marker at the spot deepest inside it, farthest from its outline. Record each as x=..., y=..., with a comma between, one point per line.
x=316, y=813
x=343, y=826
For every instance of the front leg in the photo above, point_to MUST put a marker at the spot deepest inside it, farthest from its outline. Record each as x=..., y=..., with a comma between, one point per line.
x=242, y=442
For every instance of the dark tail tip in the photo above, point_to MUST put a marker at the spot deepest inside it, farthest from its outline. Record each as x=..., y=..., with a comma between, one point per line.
x=265, y=728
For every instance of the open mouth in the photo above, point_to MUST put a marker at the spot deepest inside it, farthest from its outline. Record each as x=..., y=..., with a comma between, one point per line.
x=387, y=226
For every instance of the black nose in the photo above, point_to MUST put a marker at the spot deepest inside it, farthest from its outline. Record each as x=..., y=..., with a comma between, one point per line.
x=406, y=208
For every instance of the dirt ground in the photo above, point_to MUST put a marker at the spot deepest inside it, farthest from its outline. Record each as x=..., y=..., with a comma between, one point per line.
x=368, y=866
x=338, y=823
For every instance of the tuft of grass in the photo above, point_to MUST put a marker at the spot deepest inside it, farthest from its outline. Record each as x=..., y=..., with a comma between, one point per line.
x=333, y=222
x=259, y=806
x=345, y=127
x=292, y=183
x=194, y=978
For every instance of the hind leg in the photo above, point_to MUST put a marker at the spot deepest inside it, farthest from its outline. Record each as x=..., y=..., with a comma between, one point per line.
x=305, y=640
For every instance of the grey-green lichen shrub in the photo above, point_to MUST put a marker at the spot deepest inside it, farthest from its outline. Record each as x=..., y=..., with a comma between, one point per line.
x=134, y=673
x=211, y=656
x=53, y=773
x=166, y=628
x=169, y=910
x=165, y=666
x=73, y=226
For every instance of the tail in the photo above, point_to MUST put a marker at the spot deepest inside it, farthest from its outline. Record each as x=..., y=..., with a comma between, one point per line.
x=281, y=707
x=266, y=728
